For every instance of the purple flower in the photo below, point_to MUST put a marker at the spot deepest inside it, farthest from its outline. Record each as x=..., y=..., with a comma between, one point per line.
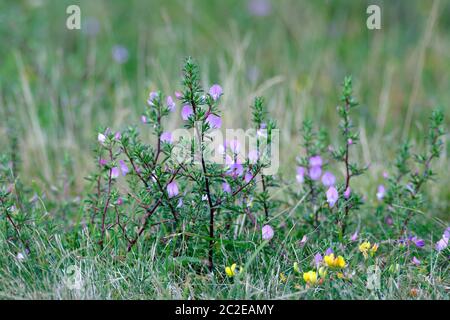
x=328, y=179
x=236, y=169
x=381, y=191
x=267, y=232
x=115, y=172
x=446, y=233
x=329, y=251
x=151, y=98
x=349, y=142
x=235, y=146
x=253, y=156
x=119, y=201
x=170, y=104
x=442, y=244
x=120, y=54
x=248, y=177
x=347, y=193
x=143, y=119
x=315, y=161
x=259, y=8
x=214, y=121
x=118, y=135
x=166, y=137
x=420, y=243
x=123, y=167
x=102, y=162
x=318, y=259
x=354, y=236
x=215, y=92
x=332, y=196
x=226, y=187
x=186, y=112
x=172, y=189
x=315, y=173
x=385, y=175
x=300, y=174
x=415, y=261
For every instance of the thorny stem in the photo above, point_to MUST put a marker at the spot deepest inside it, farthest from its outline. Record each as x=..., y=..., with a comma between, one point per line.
x=108, y=199
x=347, y=170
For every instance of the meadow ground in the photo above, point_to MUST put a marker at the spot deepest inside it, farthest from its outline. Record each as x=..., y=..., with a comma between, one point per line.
x=59, y=88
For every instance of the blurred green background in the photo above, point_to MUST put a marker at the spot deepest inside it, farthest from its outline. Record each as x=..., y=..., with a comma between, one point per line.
x=58, y=86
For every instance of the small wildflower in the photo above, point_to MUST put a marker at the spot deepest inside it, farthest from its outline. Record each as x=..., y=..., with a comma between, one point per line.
x=303, y=241
x=315, y=161
x=318, y=259
x=349, y=142
x=310, y=277
x=267, y=232
x=335, y=262
x=186, y=112
x=235, y=146
x=120, y=54
x=166, y=137
x=328, y=251
x=119, y=201
x=152, y=97
x=248, y=177
x=178, y=95
x=315, y=173
x=20, y=256
x=143, y=119
x=231, y=271
x=300, y=174
x=172, y=189
x=381, y=192
x=347, y=193
x=415, y=261
x=118, y=136
x=328, y=179
x=170, y=104
x=364, y=248
x=102, y=162
x=215, y=92
x=115, y=172
x=101, y=138
x=354, y=236
x=123, y=167
x=332, y=196
x=214, y=121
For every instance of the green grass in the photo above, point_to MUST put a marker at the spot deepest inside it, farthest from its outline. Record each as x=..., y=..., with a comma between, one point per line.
x=57, y=87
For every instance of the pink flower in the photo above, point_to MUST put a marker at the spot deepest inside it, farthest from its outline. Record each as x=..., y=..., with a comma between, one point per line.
x=102, y=162
x=300, y=174
x=226, y=187
x=215, y=92
x=123, y=167
x=186, y=112
x=118, y=135
x=303, y=241
x=143, y=119
x=170, y=104
x=253, y=156
x=178, y=95
x=115, y=172
x=328, y=179
x=347, y=193
x=415, y=261
x=214, y=121
x=166, y=137
x=332, y=196
x=172, y=189
x=315, y=173
x=267, y=232
x=381, y=191
x=354, y=236
x=119, y=201
x=349, y=141
x=235, y=146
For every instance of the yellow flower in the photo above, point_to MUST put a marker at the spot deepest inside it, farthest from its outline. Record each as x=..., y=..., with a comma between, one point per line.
x=296, y=268
x=231, y=271
x=340, y=275
x=364, y=247
x=322, y=272
x=310, y=277
x=373, y=249
x=283, y=278
x=333, y=262
x=329, y=260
